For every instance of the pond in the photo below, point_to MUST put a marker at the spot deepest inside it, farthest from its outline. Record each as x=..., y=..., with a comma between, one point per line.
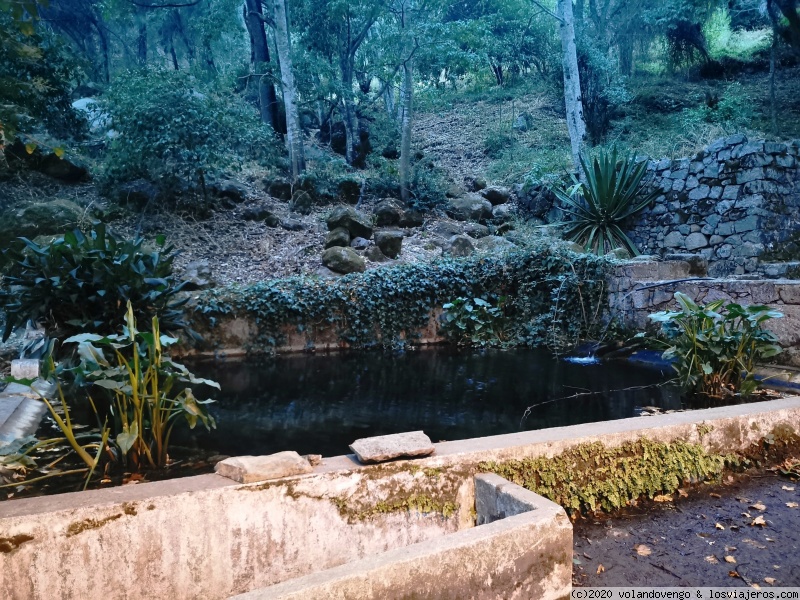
x=319, y=404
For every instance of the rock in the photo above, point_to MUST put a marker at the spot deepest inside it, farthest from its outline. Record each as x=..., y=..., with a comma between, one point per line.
x=475, y=230
x=494, y=244
x=292, y=224
x=138, y=193
x=232, y=190
x=259, y=213
x=374, y=254
x=198, y=275
x=250, y=469
x=496, y=194
x=503, y=228
x=387, y=447
x=390, y=241
x=475, y=184
x=698, y=266
x=25, y=368
x=98, y=120
x=279, y=188
x=501, y=213
x=44, y=218
x=359, y=243
x=522, y=122
x=349, y=190
x=358, y=224
x=338, y=237
x=674, y=239
x=411, y=218
x=469, y=208
x=536, y=199
x=575, y=247
x=302, y=202
x=343, y=260
x=459, y=246
x=695, y=241
x=387, y=212
x=619, y=253
x=62, y=168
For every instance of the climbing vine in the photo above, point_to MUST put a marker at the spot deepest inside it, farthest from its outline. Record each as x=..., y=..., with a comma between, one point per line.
x=553, y=297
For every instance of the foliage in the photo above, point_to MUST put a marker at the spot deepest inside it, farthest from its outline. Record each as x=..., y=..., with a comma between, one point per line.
x=79, y=281
x=552, y=299
x=150, y=391
x=612, y=192
x=715, y=346
x=731, y=111
x=36, y=74
x=472, y=321
x=177, y=133
x=723, y=41
x=427, y=186
x=592, y=476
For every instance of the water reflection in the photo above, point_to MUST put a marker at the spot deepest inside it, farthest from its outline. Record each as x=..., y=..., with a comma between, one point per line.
x=321, y=403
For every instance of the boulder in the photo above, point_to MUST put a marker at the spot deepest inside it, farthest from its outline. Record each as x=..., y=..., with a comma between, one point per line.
x=501, y=213
x=197, y=275
x=469, y=208
x=260, y=213
x=358, y=224
x=459, y=246
x=302, y=202
x=292, y=224
x=230, y=190
x=343, y=260
x=494, y=244
x=475, y=184
x=523, y=122
x=349, y=190
x=388, y=447
x=359, y=243
x=496, y=194
x=62, y=168
x=279, y=188
x=447, y=229
x=44, y=218
x=390, y=241
x=138, y=192
x=374, y=254
x=250, y=469
x=338, y=237
x=387, y=212
x=411, y=218
x=475, y=230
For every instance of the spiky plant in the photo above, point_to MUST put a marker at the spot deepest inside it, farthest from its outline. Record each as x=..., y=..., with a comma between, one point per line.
x=612, y=192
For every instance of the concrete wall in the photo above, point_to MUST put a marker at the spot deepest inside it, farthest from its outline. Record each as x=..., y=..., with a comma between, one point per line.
x=731, y=203
x=526, y=552
x=205, y=537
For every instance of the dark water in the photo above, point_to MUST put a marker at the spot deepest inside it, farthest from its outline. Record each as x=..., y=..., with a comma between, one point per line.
x=321, y=403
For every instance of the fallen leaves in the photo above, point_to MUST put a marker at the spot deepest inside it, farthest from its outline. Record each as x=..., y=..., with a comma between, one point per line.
x=662, y=498
x=713, y=495
x=730, y=559
x=754, y=544
x=769, y=580
x=600, y=569
x=792, y=504
x=759, y=520
x=733, y=574
x=711, y=559
x=642, y=550
x=788, y=488
x=758, y=506
x=720, y=526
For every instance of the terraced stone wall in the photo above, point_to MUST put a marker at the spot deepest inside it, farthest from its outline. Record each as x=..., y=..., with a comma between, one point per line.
x=736, y=203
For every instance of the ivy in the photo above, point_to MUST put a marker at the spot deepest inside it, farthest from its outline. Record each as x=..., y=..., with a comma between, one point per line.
x=553, y=297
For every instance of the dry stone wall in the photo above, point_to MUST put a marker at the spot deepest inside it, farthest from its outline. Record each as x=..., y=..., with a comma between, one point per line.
x=736, y=204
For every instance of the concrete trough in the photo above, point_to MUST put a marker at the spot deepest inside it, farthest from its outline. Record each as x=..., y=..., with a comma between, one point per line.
x=209, y=537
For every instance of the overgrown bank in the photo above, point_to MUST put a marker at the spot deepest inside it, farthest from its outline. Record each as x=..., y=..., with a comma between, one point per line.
x=545, y=295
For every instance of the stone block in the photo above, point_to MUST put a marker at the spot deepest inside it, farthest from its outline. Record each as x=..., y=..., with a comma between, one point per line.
x=715, y=193
x=699, y=193
x=746, y=224
x=725, y=228
x=382, y=448
x=716, y=240
x=696, y=241
x=691, y=182
x=678, y=185
x=250, y=469
x=731, y=192
x=749, y=175
x=775, y=148
x=724, y=206
x=674, y=240
x=25, y=368
x=789, y=293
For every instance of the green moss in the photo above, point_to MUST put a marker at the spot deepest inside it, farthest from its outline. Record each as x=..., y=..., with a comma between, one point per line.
x=593, y=476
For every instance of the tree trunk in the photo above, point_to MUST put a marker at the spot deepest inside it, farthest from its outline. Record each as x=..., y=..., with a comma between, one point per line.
x=773, y=110
x=348, y=106
x=572, y=84
x=267, y=99
x=141, y=43
x=388, y=99
x=294, y=135
x=405, y=127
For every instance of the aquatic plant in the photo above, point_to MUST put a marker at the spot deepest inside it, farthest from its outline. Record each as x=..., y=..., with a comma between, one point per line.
x=714, y=346
x=472, y=321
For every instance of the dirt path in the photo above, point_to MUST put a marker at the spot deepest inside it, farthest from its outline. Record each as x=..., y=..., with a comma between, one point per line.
x=705, y=539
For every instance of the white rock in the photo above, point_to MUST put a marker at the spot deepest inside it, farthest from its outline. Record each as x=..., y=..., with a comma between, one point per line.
x=387, y=447
x=249, y=469
x=25, y=368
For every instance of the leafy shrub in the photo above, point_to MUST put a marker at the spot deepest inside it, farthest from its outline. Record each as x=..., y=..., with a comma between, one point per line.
x=496, y=142
x=472, y=321
x=178, y=134
x=612, y=192
x=714, y=346
x=732, y=110
x=602, y=88
x=427, y=186
x=79, y=282
x=150, y=391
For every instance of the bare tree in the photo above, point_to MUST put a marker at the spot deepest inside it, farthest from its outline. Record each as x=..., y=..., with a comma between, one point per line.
x=572, y=83
x=268, y=101
x=283, y=44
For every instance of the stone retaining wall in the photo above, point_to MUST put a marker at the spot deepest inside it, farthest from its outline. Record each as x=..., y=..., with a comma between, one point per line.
x=734, y=203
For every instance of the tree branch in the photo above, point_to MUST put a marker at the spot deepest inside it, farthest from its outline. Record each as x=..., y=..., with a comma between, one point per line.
x=144, y=5
x=548, y=11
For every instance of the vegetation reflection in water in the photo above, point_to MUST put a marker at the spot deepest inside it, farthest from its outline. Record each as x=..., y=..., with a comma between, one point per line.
x=321, y=403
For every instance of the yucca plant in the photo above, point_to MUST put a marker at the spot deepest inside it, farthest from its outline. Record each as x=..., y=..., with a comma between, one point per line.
x=612, y=192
